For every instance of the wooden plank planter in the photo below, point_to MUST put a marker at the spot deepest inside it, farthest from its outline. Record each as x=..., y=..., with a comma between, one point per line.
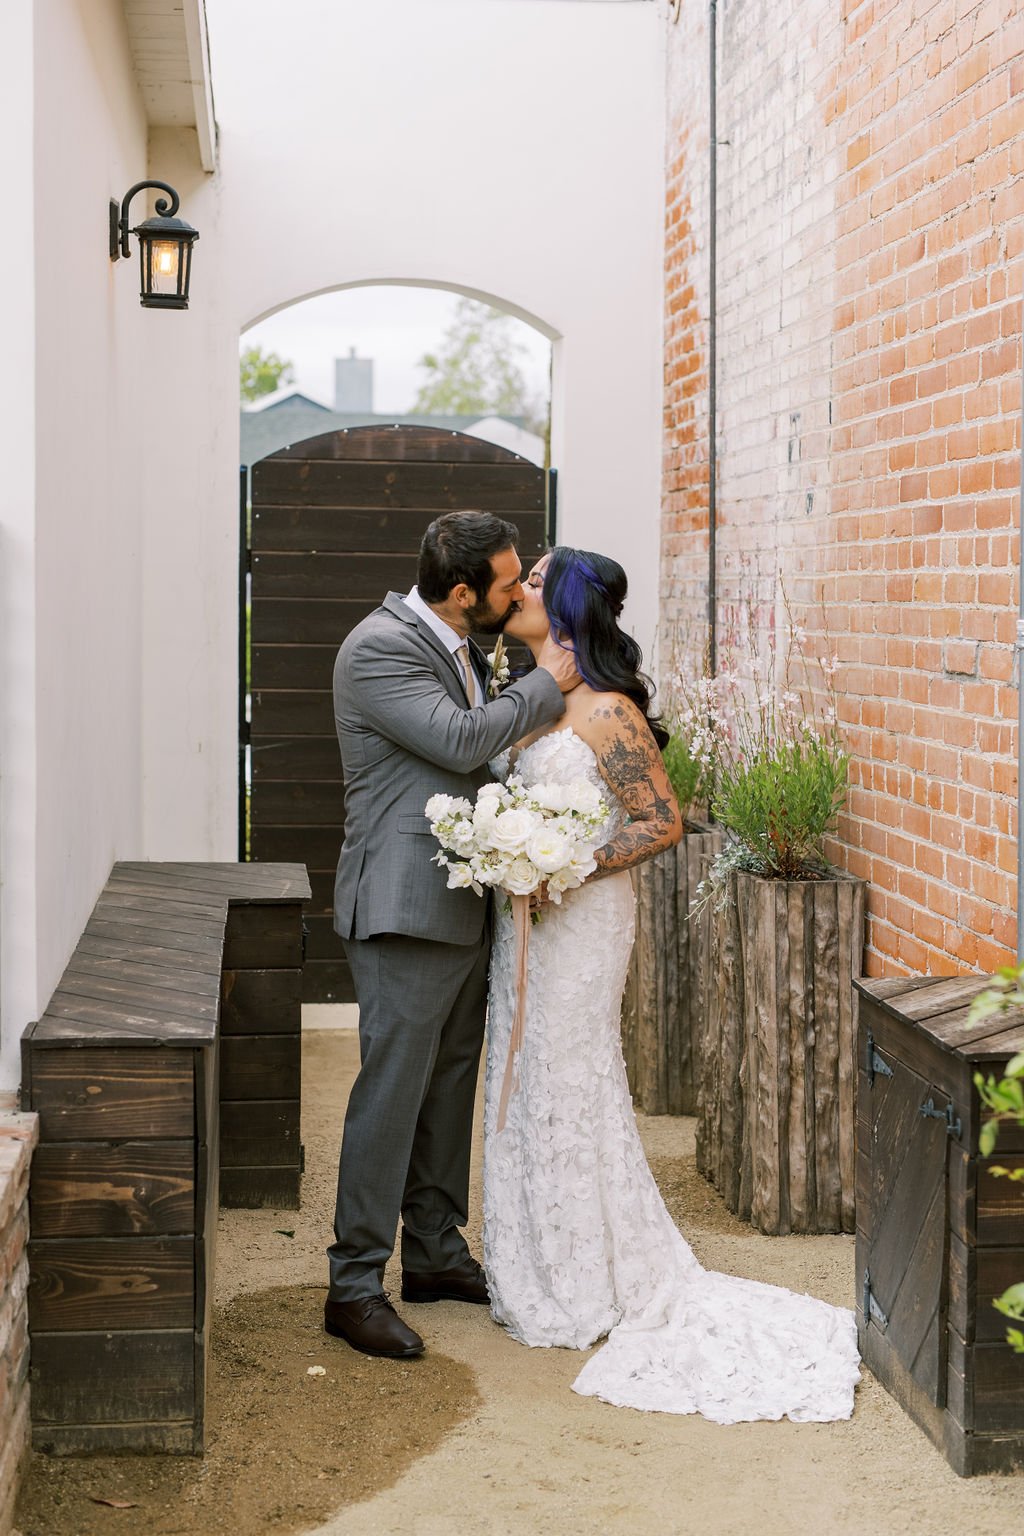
x=938, y=1237
x=664, y=1001
x=775, y=1126
x=165, y=1076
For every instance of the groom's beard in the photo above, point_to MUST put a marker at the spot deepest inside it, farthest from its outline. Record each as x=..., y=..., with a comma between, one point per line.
x=486, y=621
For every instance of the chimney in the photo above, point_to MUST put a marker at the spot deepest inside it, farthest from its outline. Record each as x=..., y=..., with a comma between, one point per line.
x=353, y=384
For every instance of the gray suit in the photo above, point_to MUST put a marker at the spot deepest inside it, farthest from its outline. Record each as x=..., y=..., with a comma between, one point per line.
x=418, y=952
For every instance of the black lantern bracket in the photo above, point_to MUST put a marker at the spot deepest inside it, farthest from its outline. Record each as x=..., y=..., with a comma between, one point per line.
x=119, y=230
x=165, y=246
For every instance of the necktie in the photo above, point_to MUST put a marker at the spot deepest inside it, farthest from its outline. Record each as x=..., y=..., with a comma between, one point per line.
x=463, y=654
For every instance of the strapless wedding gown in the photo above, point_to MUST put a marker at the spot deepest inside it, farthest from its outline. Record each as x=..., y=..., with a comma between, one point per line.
x=578, y=1245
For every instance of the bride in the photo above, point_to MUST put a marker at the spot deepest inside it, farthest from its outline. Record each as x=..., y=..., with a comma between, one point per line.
x=578, y=1245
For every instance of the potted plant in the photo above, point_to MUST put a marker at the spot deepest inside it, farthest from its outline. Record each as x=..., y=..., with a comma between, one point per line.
x=775, y=1101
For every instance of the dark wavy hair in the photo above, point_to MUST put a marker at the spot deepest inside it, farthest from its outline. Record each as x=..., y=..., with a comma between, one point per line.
x=457, y=547
x=583, y=596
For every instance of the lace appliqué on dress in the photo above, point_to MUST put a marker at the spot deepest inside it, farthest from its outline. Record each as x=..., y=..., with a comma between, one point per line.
x=578, y=1244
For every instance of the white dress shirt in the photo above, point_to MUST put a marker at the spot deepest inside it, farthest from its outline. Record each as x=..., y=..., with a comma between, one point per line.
x=448, y=636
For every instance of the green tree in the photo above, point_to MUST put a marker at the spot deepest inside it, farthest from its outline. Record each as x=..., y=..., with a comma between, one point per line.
x=262, y=373
x=478, y=367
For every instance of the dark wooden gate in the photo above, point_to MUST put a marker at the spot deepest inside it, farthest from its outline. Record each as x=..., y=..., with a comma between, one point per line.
x=334, y=523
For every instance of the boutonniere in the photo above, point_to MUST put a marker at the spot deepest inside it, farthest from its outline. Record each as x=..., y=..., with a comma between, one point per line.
x=500, y=673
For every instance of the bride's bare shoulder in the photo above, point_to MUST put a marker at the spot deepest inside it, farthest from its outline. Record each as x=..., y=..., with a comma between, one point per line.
x=608, y=715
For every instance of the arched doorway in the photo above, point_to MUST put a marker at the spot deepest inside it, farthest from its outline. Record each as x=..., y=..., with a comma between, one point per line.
x=333, y=523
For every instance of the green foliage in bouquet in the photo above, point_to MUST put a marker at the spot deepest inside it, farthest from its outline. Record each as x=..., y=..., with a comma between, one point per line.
x=1004, y=1098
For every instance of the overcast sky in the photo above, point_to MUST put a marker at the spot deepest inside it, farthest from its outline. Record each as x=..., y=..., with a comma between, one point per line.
x=394, y=326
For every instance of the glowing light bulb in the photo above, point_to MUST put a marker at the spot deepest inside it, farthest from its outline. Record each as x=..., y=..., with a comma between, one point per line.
x=165, y=260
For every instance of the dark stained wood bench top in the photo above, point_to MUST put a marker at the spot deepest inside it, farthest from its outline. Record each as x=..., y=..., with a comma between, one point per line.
x=938, y=1007
x=147, y=969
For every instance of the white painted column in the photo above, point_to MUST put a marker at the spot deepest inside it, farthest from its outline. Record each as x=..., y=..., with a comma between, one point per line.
x=17, y=547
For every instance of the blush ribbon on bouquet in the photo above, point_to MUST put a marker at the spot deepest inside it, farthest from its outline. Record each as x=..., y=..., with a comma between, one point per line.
x=509, y=1083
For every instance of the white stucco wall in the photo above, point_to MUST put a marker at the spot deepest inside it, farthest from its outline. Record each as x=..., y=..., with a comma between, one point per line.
x=72, y=796
x=507, y=148
x=17, y=545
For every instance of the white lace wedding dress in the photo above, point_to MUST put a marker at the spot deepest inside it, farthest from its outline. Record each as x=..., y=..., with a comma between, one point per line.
x=577, y=1242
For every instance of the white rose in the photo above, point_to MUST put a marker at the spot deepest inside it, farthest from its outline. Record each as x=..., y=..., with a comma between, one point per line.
x=511, y=830
x=549, y=850
x=521, y=877
x=489, y=792
x=584, y=797
x=553, y=797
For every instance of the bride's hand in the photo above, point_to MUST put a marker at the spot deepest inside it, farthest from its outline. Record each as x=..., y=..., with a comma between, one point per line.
x=539, y=898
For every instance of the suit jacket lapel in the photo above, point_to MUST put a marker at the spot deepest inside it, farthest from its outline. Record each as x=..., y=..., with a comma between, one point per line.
x=401, y=611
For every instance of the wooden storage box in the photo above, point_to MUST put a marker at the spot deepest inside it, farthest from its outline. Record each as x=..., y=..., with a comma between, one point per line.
x=937, y=1236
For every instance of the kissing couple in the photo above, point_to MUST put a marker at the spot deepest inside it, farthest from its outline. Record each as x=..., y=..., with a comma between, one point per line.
x=577, y=1245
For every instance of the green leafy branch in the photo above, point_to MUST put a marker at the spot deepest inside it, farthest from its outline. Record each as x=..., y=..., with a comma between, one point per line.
x=1003, y=1097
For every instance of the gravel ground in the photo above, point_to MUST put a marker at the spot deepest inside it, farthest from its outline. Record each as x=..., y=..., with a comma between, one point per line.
x=483, y=1437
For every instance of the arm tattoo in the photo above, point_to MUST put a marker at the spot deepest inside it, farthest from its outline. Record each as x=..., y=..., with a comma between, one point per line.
x=627, y=762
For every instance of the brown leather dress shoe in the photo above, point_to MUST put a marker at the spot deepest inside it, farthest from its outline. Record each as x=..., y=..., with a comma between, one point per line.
x=372, y=1325
x=466, y=1282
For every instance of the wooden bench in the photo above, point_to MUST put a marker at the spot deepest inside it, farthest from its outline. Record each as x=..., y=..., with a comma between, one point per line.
x=165, y=1073
x=938, y=1237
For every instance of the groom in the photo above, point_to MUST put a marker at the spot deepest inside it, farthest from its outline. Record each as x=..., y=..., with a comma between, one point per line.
x=414, y=720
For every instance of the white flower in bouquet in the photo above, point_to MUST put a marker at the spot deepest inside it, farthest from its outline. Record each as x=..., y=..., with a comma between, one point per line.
x=552, y=797
x=489, y=866
x=516, y=838
x=463, y=839
x=460, y=878
x=549, y=849
x=585, y=799
x=438, y=806
x=511, y=830
x=522, y=876
x=484, y=814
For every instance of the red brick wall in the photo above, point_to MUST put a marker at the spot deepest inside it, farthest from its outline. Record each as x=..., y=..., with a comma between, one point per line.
x=873, y=460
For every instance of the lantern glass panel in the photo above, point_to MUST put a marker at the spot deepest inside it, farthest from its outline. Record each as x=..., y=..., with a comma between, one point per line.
x=165, y=265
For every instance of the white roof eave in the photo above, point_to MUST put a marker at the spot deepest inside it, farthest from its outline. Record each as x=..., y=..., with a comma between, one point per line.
x=171, y=54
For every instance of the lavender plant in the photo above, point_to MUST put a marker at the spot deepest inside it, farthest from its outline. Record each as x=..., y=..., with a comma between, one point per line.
x=774, y=754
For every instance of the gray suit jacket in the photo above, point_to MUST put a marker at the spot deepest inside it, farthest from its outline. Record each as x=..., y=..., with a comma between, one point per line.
x=406, y=733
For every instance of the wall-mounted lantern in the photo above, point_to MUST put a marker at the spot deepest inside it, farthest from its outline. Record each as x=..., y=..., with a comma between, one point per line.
x=165, y=247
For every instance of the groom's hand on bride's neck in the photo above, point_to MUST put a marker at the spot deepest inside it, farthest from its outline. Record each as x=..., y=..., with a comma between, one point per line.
x=560, y=662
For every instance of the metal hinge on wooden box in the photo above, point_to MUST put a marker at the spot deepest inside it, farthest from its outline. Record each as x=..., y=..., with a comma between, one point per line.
x=937, y=1236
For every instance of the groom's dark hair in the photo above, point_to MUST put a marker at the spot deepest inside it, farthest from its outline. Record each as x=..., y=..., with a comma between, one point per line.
x=458, y=547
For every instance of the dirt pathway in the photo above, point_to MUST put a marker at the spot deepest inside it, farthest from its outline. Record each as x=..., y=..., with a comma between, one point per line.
x=484, y=1437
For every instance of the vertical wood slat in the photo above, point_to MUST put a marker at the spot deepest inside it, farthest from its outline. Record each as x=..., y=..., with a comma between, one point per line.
x=775, y=1131
x=662, y=1012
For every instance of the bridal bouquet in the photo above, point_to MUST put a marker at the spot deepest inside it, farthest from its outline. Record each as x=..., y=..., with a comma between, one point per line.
x=516, y=838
